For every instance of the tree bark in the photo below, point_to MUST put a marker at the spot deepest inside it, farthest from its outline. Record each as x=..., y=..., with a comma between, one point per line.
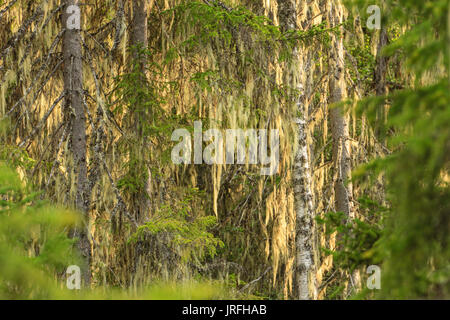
x=305, y=280
x=139, y=23
x=75, y=114
x=338, y=118
x=139, y=39
x=380, y=82
x=343, y=188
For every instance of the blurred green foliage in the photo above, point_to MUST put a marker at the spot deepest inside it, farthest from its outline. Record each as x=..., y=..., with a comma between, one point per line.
x=34, y=246
x=413, y=247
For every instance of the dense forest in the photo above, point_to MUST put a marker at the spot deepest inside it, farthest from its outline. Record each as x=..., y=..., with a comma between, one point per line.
x=235, y=149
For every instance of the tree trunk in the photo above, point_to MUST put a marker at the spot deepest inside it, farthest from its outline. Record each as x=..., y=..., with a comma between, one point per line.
x=305, y=281
x=343, y=188
x=380, y=83
x=139, y=22
x=75, y=114
x=139, y=39
x=339, y=120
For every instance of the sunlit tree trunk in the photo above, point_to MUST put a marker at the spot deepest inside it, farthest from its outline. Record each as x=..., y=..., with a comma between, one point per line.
x=339, y=120
x=343, y=189
x=305, y=281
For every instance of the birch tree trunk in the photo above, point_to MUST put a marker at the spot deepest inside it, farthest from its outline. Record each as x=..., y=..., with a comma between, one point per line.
x=75, y=114
x=305, y=280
